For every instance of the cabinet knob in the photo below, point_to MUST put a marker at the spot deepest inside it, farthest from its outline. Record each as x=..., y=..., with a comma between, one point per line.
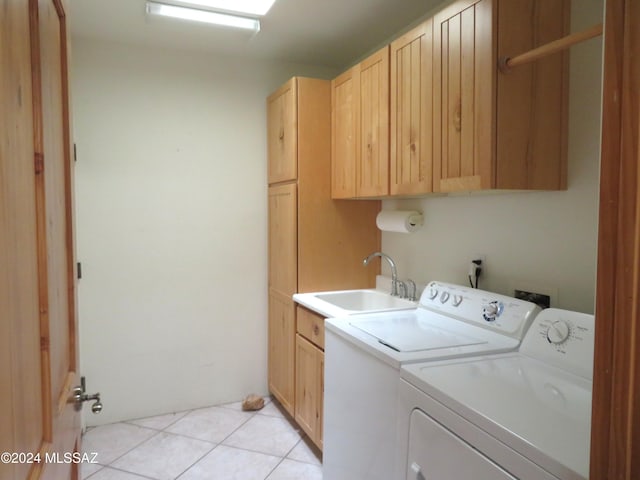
x=316, y=330
x=281, y=135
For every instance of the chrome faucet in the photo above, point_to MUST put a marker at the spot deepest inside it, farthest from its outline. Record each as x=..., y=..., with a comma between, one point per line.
x=394, y=272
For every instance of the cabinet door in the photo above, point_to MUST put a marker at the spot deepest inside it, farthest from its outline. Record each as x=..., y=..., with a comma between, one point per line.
x=308, y=388
x=464, y=97
x=283, y=225
x=281, y=349
x=412, y=112
x=372, y=163
x=282, y=142
x=344, y=133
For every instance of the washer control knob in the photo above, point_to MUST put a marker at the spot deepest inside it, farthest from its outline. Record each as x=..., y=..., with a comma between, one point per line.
x=433, y=293
x=444, y=297
x=558, y=332
x=492, y=310
x=457, y=300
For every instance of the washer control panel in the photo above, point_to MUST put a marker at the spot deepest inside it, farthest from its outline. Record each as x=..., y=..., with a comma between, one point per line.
x=564, y=339
x=506, y=315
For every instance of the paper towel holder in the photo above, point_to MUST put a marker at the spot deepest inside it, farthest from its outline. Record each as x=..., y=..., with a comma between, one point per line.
x=403, y=221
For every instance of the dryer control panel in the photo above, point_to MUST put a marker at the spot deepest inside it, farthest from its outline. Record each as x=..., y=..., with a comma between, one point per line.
x=564, y=339
x=507, y=315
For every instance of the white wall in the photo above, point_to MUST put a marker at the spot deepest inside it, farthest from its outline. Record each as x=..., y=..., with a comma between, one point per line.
x=171, y=225
x=545, y=240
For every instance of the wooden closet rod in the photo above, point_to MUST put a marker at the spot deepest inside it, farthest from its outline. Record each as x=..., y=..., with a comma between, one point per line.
x=507, y=63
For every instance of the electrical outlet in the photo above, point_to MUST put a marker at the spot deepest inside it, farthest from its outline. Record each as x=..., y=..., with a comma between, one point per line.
x=478, y=256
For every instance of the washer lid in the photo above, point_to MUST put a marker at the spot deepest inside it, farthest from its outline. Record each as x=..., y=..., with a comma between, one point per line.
x=413, y=334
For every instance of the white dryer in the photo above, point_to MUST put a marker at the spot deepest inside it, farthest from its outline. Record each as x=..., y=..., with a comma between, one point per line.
x=363, y=356
x=522, y=415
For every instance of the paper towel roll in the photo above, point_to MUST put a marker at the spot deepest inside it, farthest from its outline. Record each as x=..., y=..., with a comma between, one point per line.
x=399, y=221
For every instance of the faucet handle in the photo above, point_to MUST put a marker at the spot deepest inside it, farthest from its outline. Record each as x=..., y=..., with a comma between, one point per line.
x=411, y=293
x=401, y=289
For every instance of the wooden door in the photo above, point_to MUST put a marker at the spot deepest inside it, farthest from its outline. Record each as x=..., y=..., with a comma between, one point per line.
x=615, y=431
x=411, y=154
x=22, y=426
x=464, y=92
x=281, y=133
x=344, y=133
x=372, y=161
x=37, y=283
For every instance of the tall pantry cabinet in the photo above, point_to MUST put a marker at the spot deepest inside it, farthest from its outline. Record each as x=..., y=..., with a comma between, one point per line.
x=315, y=243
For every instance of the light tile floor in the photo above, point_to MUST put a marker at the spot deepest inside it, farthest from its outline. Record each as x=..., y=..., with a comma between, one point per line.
x=215, y=443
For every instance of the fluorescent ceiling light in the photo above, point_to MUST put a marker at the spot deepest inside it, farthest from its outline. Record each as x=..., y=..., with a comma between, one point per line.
x=205, y=16
x=250, y=7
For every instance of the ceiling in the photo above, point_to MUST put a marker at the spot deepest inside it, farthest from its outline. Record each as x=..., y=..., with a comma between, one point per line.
x=332, y=33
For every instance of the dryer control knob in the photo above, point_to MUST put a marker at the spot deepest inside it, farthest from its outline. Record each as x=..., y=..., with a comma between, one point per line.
x=558, y=332
x=433, y=293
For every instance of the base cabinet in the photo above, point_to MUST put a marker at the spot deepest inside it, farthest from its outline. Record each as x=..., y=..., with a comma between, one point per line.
x=309, y=373
x=282, y=334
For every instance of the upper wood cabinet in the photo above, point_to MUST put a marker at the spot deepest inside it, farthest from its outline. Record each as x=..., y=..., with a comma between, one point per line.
x=412, y=112
x=360, y=129
x=282, y=140
x=492, y=129
x=344, y=133
x=372, y=161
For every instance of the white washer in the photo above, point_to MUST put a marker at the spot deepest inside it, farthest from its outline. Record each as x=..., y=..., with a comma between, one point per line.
x=523, y=415
x=364, y=353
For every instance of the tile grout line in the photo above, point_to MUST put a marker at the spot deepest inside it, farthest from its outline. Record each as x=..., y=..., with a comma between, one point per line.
x=215, y=445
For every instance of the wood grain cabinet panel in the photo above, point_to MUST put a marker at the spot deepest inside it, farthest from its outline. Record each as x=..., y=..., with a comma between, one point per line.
x=281, y=354
x=372, y=161
x=360, y=129
x=310, y=373
x=496, y=130
x=283, y=239
x=282, y=139
x=344, y=134
x=412, y=112
x=309, y=388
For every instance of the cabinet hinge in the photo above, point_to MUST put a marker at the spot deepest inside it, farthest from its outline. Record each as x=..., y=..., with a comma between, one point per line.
x=39, y=163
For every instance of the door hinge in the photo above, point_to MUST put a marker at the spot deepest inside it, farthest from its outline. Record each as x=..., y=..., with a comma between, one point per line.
x=79, y=269
x=39, y=163
x=75, y=152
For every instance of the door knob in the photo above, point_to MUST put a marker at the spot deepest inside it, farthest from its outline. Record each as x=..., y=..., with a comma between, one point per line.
x=79, y=396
